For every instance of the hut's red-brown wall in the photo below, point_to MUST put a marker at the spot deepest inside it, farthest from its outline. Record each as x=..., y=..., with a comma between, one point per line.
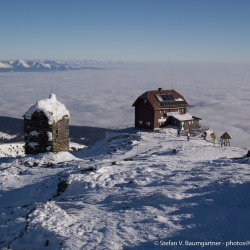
x=144, y=115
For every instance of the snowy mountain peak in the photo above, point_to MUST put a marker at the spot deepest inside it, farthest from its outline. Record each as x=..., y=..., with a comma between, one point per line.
x=30, y=66
x=41, y=65
x=20, y=64
x=131, y=190
x=5, y=65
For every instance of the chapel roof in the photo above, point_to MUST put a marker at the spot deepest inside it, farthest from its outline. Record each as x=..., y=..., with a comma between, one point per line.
x=51, y=107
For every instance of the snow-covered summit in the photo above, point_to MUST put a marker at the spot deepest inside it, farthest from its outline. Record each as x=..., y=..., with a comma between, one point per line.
x=32, y=66
x=41, y=66
x=20, y=64
x=131, y=190
x=5, y=65
x=51, y=107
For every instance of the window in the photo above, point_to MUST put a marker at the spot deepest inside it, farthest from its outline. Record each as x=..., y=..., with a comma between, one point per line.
x=182, y=111
x=140, y=122
x=148, y=123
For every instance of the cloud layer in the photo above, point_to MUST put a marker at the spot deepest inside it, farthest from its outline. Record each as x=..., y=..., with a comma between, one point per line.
x=218, y=93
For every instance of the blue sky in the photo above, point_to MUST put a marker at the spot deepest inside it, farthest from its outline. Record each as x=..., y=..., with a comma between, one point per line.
x=131, y=30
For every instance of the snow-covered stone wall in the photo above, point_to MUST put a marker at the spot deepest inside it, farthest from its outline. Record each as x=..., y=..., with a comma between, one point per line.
x=46, y=127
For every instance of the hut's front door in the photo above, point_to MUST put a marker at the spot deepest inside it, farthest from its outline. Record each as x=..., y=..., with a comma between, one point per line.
x=182, y=125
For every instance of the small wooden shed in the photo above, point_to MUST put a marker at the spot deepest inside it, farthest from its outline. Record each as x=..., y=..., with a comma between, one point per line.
x=46, y=127
x=225, y=139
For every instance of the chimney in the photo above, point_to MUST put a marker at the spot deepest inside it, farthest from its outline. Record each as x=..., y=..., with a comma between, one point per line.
x=160, y=89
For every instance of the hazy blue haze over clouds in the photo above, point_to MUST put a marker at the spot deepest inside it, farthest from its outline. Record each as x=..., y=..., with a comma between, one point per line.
x=132, y=30
x=218, y=93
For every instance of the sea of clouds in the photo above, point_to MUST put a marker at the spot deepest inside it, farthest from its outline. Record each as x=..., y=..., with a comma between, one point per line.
x=219, y=93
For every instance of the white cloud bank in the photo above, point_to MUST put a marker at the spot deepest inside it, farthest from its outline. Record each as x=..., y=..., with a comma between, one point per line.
x=218, y=93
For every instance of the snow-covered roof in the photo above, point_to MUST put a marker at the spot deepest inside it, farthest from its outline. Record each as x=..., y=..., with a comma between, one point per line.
x=160, y=99
x=183, y=117
x=53, y=109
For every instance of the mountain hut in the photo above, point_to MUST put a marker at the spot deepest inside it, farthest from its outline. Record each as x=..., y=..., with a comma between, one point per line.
x=159, y=108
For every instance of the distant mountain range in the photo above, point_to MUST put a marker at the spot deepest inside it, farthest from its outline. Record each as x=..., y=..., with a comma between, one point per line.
x=37, y=66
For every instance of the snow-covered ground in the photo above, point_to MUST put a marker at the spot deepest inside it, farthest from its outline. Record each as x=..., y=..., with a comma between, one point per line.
x=131, y=190
x=6, y=136
x=11, y=149
x=17, y=149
